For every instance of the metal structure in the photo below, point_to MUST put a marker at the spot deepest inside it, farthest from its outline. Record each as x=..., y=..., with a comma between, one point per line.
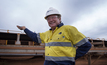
x=99, y=48
x=18, y=44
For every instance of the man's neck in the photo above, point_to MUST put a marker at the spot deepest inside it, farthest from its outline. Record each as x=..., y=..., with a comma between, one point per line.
x=53, y=28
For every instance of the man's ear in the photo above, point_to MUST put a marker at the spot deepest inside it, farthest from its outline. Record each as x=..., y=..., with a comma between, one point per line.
x=60, y=18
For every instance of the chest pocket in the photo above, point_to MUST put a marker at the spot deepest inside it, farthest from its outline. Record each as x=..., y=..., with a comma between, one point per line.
x=58, y=37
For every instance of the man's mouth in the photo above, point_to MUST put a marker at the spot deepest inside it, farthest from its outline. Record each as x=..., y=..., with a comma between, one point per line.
x=52, y=22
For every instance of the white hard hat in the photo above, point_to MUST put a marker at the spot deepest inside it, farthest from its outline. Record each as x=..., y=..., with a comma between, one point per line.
x=52, y=11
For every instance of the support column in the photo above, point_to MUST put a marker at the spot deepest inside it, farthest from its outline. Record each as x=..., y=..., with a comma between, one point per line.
x=89, y=59
x=18, y=40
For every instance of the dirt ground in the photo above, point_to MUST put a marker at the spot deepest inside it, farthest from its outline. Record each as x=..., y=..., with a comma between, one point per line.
x=40, y=60
x=101, y=61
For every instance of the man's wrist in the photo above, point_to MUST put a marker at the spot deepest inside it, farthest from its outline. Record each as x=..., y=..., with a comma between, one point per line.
x=24, y=28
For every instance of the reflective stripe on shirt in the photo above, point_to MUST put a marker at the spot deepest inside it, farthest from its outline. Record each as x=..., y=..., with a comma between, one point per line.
x=38, y=36
x=83, y=41
x=58, y=44
x=51, y=58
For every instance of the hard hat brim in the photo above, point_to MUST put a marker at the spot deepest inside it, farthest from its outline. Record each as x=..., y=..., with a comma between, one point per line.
x=52, y=14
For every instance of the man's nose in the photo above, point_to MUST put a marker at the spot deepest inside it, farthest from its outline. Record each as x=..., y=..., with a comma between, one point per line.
x=50, y=20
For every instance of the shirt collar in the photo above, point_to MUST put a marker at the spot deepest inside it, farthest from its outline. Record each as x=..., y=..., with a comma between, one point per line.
x=61, y=24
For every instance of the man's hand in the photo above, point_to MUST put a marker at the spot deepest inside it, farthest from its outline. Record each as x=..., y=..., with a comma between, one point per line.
x=21, y=27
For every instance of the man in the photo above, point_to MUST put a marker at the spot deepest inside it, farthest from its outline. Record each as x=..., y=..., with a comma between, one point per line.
x=60, y=41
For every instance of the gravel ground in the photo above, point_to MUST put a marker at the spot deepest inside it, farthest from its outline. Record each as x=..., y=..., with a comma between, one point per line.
x=40, y=60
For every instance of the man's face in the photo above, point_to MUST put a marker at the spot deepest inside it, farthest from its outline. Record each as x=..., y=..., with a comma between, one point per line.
x=53, y=21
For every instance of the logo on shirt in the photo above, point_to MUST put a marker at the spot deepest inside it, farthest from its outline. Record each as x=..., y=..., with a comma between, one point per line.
x=63, y=36
x=60, y=33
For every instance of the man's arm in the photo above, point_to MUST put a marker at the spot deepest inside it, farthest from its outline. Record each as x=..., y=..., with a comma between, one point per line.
x=32, y=35
x=83, y=49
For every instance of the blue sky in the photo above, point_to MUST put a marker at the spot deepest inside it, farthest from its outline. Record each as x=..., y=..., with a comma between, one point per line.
x=88, y=16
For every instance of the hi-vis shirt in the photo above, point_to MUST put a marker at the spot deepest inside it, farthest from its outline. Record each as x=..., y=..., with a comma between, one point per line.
x=60, y=44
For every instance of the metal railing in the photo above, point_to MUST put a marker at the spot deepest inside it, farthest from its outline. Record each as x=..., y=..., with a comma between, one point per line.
x=11, y=31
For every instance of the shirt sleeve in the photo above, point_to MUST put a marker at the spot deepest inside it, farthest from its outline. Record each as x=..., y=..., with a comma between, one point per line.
x=76, y=37
x=79, y=40
x=32, y=35
x=82, y=50
x=41, y=37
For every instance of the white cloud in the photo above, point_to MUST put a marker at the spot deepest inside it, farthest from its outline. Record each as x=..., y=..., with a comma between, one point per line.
x=92, y=22
x=30, y=13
